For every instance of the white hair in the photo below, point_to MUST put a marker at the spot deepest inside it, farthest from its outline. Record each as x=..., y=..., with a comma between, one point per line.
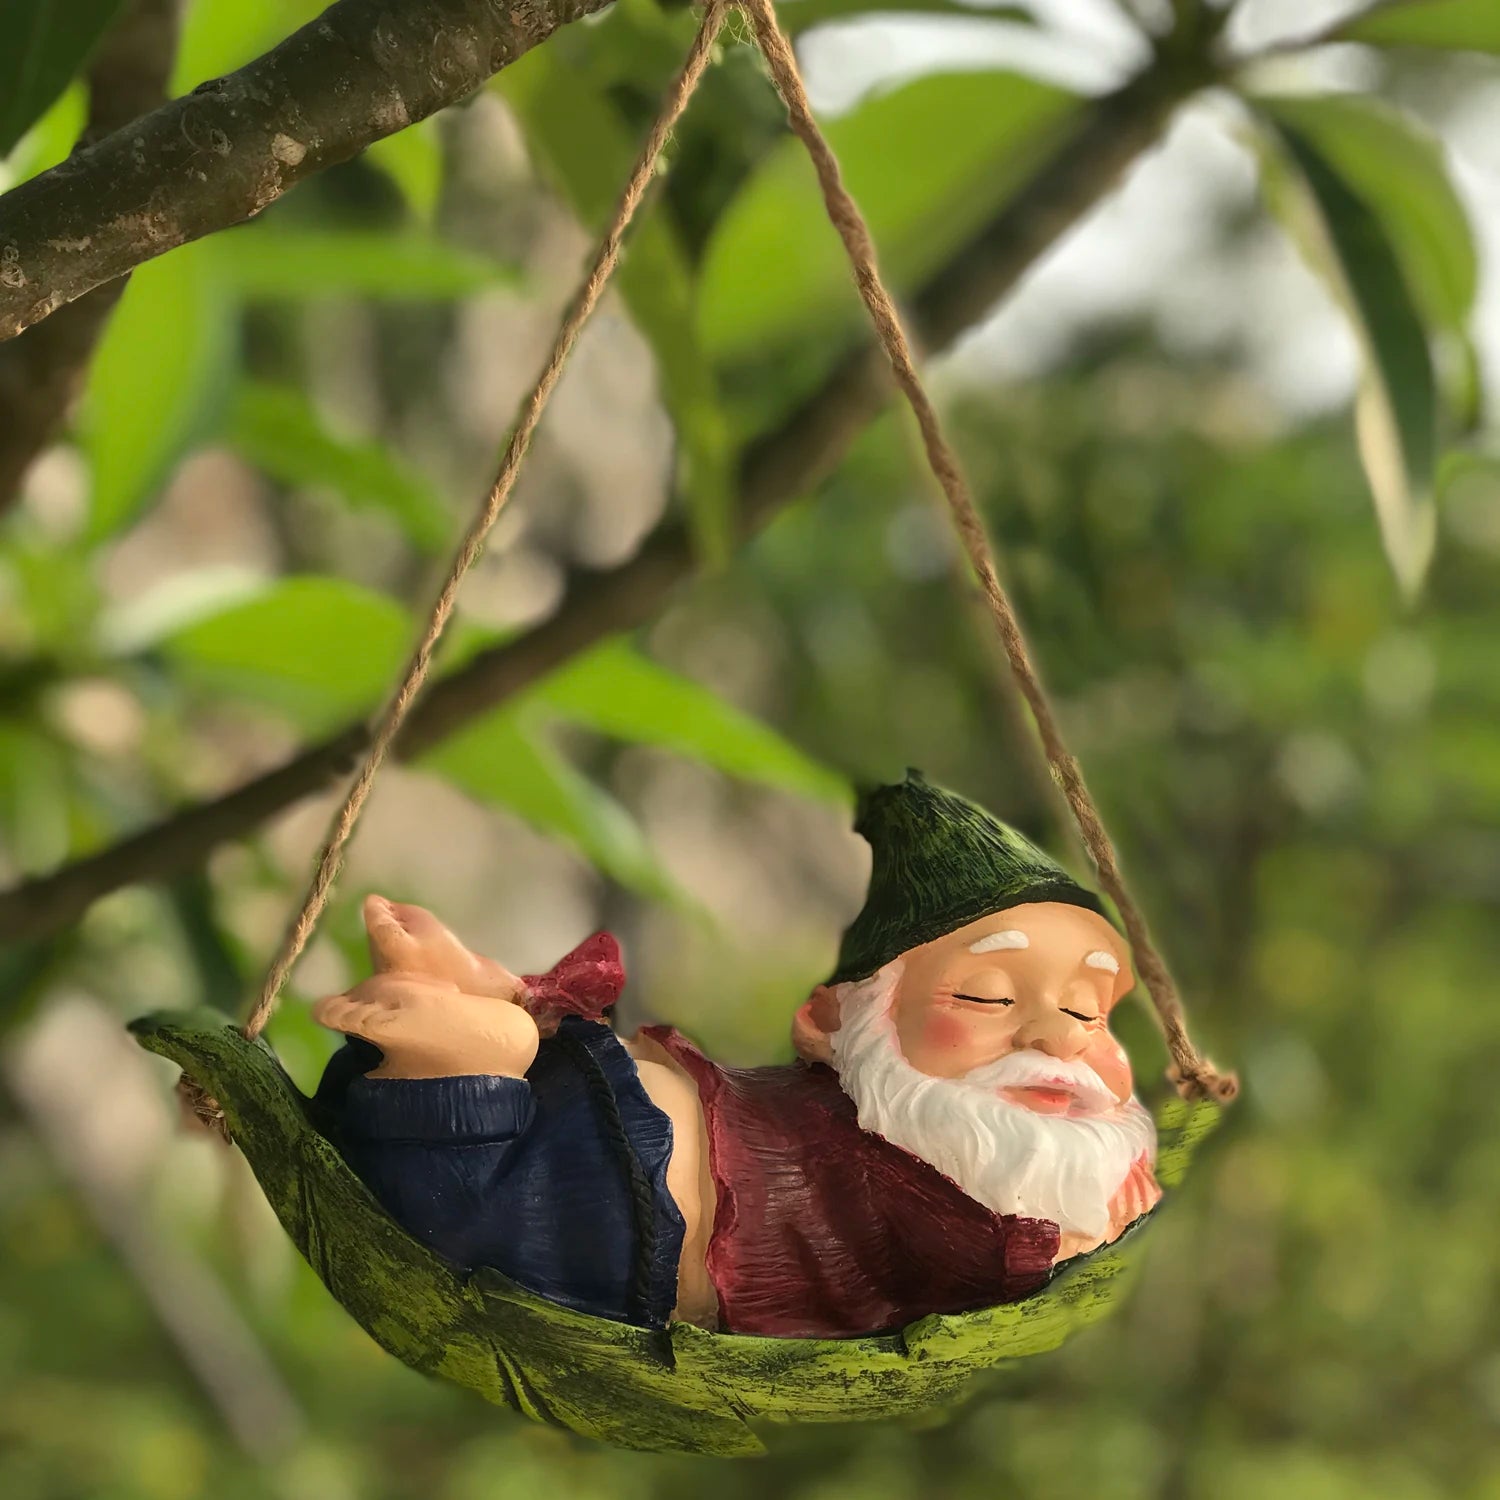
x=997, y=942
x=1013, y=1160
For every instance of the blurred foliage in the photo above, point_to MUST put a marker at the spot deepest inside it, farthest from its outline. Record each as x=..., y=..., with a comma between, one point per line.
x=1426, y=23
x=45, y=46
x=1396, y=250
x=1300, y=757
x=589, y=147
x=928, y=164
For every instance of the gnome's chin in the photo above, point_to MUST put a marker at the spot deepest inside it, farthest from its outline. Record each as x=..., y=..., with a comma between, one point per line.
x=1012, y=1159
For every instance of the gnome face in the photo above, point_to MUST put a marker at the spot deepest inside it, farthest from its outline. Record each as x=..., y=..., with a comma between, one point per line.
x=1001, y=955
x=967, y=1018
x=1033, y=983
x=1036, y=982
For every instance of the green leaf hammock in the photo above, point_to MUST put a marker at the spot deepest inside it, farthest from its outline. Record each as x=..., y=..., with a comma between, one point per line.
x=683, y=1389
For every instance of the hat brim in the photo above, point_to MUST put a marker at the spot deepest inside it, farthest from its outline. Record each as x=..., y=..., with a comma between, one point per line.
x=853, y=968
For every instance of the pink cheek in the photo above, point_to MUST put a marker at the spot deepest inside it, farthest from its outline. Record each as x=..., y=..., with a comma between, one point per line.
x=1107, y=1058
x=946, y=1032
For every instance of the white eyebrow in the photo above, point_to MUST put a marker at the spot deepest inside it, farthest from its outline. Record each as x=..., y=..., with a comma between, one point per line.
x=997, y=941
x=1099, y=959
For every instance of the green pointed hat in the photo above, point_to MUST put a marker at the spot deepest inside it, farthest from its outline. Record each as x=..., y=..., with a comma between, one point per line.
x=940, y=863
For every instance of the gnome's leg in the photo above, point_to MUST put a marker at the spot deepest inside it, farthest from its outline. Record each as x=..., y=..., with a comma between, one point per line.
x=559, y=1179
x=437, y=1153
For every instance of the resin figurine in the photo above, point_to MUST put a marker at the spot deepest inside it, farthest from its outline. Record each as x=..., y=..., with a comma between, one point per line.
x=960, y=1120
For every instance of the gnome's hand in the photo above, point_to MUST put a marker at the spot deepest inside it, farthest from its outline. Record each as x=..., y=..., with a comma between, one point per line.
x=1137, y=1195
x=410, y=940
x=429, y=1028
x=1072, y=1243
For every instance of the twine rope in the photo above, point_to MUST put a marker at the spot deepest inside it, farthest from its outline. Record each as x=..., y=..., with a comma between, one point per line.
x=393, y=715
x=1193, y=1075
x=606, y=258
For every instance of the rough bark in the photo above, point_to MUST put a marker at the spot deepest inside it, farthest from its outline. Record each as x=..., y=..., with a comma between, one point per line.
x=363, y=70
x=42, y=374
x=775, y=470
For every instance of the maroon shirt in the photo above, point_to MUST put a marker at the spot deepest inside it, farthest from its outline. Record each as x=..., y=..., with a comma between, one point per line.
x=824, y=1230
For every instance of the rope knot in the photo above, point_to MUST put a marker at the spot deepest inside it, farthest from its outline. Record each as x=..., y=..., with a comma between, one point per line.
x=201, y=1111
x=1201, y=1080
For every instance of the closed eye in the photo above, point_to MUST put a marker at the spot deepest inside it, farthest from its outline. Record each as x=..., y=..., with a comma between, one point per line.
x=1077, y=1015
x=985, y=999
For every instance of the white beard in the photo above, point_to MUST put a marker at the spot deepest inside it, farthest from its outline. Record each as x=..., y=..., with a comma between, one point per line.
x=1064, y=1168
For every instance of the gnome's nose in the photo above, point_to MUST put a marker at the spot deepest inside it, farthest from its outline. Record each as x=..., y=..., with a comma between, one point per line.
x=1053, y=1033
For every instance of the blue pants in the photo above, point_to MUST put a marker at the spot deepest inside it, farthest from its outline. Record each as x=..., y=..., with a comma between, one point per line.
x=557, y=1180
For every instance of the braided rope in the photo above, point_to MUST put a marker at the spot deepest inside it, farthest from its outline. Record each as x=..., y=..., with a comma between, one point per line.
x=388, y=725
x=1193, y=1075
x=606, y=257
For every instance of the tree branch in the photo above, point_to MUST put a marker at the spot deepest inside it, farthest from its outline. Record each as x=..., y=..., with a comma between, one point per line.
x=775, y=470
x=364, y=69
x=42, y=374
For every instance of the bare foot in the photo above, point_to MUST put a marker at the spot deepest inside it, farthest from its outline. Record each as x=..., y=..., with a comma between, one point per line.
x=406, y=939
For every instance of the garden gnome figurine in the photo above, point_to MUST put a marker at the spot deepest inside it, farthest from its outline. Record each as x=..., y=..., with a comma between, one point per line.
x=959, y=1122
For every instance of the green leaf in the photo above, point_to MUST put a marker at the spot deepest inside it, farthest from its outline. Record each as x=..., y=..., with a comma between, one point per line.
x=276, y=429
x=582, y=138
x=221, y=35
x=45, y=42
x=161, y=370
x=34, y=797
x=1459, y=464
x=181, y=599
x=928, y=164
x=317, y=649
x=798, y=16
x=606, y=1380
x=1400, y=170
x=1460, y=25
x=503, y=759
x=220, y=980
x=413, y=160
x=267, y=262
x=616, y=691
x=1397, y=409
x=50, y=140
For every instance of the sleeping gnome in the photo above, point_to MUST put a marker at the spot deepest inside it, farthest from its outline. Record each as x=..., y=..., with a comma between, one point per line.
x=959, y=1122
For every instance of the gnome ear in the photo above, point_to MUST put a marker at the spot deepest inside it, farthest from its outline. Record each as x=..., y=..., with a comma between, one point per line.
x=814, y=1024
